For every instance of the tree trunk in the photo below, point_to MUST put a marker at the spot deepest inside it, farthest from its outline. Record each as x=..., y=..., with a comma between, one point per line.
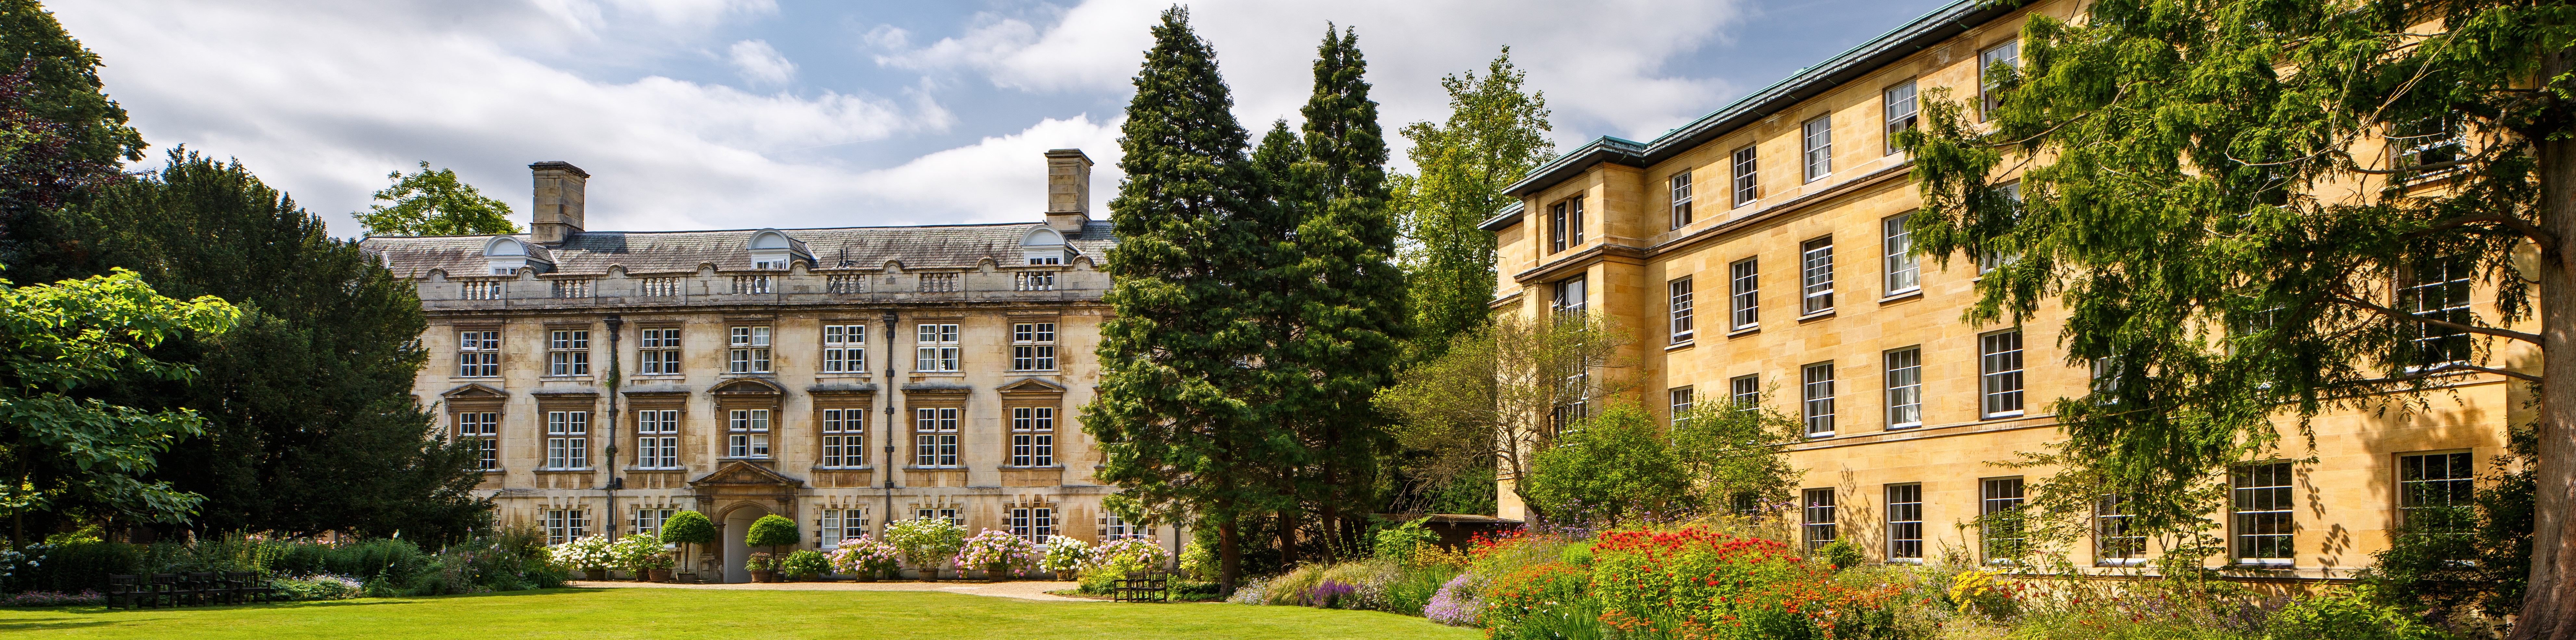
x=1229, y=555
x=1288, y=535
x=2549, y=606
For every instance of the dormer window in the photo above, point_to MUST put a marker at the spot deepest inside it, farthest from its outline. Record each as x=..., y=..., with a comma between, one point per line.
x=504, y=256
x=1043, y=246
x=780, y=265
x=770, y=250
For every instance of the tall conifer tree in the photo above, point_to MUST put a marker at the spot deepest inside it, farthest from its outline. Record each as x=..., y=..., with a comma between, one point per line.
x=1174, y=414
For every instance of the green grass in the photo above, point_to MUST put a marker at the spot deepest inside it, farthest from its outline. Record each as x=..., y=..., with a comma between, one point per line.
x=688, y=613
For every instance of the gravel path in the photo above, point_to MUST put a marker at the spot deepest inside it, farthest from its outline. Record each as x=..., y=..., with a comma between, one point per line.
x=1022, y=589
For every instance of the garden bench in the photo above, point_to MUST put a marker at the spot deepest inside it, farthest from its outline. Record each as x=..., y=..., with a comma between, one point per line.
x=168, y=586
x=1151, y=585
x=202, y=587
x=129, y=590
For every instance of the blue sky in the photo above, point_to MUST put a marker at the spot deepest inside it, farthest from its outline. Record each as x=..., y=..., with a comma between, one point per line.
x=694, y=114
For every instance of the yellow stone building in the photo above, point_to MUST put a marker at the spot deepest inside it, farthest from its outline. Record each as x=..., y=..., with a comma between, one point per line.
x=1761, y=249
x=841, y=377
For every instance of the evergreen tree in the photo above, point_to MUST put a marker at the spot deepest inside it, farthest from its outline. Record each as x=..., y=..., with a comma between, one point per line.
x=2257, y=209
x=309, y=417
x=435, y=203
x=1175, y=416
x=1494, y=136
x=54, y=88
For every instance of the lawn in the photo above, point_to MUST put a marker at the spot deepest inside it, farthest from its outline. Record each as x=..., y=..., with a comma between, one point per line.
x=685, y=613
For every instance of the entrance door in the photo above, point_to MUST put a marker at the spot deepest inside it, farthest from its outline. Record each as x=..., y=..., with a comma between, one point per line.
x=738, y=523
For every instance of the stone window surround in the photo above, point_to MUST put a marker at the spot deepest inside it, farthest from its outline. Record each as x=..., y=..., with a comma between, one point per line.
x=871, y=434
x=592, y=440
x=1017, y=399
x=935, y=399
x=656, y=401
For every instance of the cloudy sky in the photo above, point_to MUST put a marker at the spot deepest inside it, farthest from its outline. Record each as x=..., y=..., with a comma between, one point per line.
x=728, y=114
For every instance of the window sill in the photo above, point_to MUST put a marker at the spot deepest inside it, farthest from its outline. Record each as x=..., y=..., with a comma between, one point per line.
x=2266, y=565
x=571, y=378
x=1905, y=561
x=856, y=468
x=941, y=374
x=840, y=374
x=738, y=374
x=657, y=376
x=1057, y=467
x=495, y=471
x=1904, y=427
x=1812, y=317
x=2119, y=563
x=1037, y=372
x=745, y=459
x=934, y=468
x=1902, y=296
x=1685, y=344
x=1820, y=436
x=1746, y=330
x=580, y=470
x=2008, y=415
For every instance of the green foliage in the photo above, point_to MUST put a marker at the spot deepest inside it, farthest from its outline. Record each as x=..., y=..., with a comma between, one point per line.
x=2342, y=615
x=1737, y=451
x=307, y=403
x=1398, y=542
x=689, y=527
x=2481, y=569
x=67, y=88
x=74, y=334
x=1610, y=466
x=805, y=564
x=637, y=552
x=1494, y=136
x=927, y=542
x=1486, y=405
x=771, y=530
x=1542, y=602
x=435, y=203
x=1839, y=554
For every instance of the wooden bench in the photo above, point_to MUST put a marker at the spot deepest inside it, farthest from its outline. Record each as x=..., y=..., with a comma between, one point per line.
x=131, y=592
x=1151, y=585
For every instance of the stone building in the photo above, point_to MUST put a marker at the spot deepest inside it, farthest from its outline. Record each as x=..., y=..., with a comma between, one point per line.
x=1762, y=250
x=840, y=376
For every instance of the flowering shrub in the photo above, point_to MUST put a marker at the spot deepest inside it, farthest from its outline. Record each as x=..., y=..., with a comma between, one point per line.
x=1065, y=554
x=1198, y=561
x=1329, y=593
x=1698, y=582
x=865, y=556
x=53, y=599
x=639, y=552
x=926, y=542
x=1130, y=553
x=13, y=562
x=1458, y=603
x=1529, y=602
x=320, y=587
x=996, y=548
x=1980, y=592
x=592, y=552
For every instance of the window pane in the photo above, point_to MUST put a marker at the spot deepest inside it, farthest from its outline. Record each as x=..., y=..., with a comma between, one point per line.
x=1816, y=276
x=1905, y=522
x=1999, y=379
x=2262, y=502
x=2000, y=515
x=1817, y=525
x=1903, y=273
x=1818, y=139
x=1744, y=294
x=1904, y=388
x=1744, y=176
x=1900, y=110
x=1816, y=388
x=1681, y=310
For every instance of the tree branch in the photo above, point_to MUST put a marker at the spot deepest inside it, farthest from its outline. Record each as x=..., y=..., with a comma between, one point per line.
x=2537, y=234
x=2491, y=331
x=2440, y=369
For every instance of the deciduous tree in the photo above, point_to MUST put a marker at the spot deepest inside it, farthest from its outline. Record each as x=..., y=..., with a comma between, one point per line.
x=434, y=203
x=1494, y=136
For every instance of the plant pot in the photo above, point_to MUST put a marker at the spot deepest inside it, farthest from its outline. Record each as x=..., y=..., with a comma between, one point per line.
x=658, y=575
x=594, y=574
x=929, y=574
x=1064, y=575
x=997, y=572
x=867, y=577
x=764, y=575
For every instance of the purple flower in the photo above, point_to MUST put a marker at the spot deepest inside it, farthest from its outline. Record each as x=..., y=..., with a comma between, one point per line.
x=1454, y=604
x=1325, y=594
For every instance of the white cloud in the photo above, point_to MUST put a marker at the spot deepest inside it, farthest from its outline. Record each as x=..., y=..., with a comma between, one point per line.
x=1003, y=177
x=759, y=63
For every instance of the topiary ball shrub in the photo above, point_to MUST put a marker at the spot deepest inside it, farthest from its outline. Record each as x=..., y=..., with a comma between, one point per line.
x=689, y=527
x=771, y=530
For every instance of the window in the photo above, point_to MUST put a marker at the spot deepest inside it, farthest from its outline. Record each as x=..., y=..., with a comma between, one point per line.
x=1988, y=261
x=659, y=352
x=2116, y=537
x=575, y=288
x=938, y=347
x=2262, y=513
x=1905, y=523
x=567, y=439
x=478, y=354
x=1033, y=346
x=1999, y=513
x=1818, y=140
x=566, y=525
x=1556, y=227
x=1744, y=294
x=837, y=525
x=1034, y=524
x=1033, y=436
x=659, y=287
x=1034, y=281
x=779, y=264
x=1681, y=405
x=1681, y=309
x=483, y=430
x=1046, y=260
x=1901, y=112
x=567, y=353
x=645, y=520
x=948, y=514
x=1904, y=273
x=1113, y=527
x=657, y=438
x=2437, y=289
x=747, y=433
x=752, y=284
x=939, y=283
x=1999, y=373
x=1681, y=189
x=2106, y=380
x=845, y=441
x=1816, y=388
x=1817, y=527
x=1905, y=388
x=750, y=352
x=479, y=289
x=845, y=283
x=2429, y=141
x=845, y=348
x=934, y=437
x=1745, y=391
x=2436, y=493
x=1569, y=299
x=1816, y=276
x=1990, y=79
x=1745, y=177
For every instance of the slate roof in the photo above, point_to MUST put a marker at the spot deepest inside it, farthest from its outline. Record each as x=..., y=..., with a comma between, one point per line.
x=869, y=248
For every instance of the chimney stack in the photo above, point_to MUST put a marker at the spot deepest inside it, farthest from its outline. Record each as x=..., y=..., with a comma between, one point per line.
x=560, y=193
x=1068, y=191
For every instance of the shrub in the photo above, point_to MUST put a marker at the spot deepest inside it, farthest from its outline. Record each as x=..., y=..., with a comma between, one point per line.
x=805, y=564
x=53, y=599
x=589, y=553
x=1839, y=555
x=990, y=548
x=1132, y=553
x=320, y=587
x=1065, y=554
x=2344, y=615
x=1399, y=542
x=689, y=527
x=1537, y=601
x=865, y=556
x=771, y=530
x=926, y=542
x=1696, y=580
x=639, y=552
x=1414, y=586
x=1199, y=562
x=1458, y=603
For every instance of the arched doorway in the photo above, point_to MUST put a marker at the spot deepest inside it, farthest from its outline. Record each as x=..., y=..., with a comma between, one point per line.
x=737, y=522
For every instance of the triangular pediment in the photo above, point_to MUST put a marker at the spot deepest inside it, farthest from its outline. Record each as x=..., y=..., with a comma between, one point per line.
x=1032, y=385
x=739, y=473
x=474, y=391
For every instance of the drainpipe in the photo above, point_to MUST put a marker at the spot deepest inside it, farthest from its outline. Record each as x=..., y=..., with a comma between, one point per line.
x=615, y=379
x=889, y=427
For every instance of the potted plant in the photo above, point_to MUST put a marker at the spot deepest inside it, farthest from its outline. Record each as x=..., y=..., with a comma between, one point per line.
x=1064, y=556
x=658, y=567
x=592, y=555
x=927, y=542
x=805, y=565
x=761, y=568
x=635, y=553
x=865, y=558
x=772, y=531
x=996, y=552
x=689, y=527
